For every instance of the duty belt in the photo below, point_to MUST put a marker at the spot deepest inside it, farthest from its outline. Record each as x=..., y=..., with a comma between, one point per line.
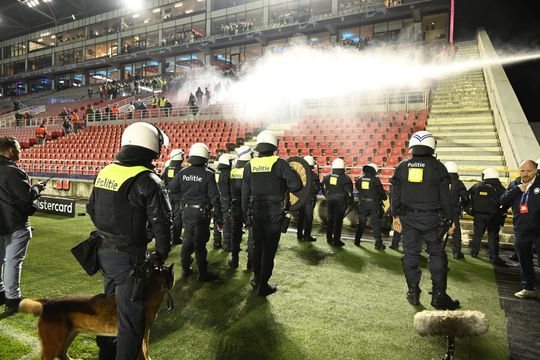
x=266, y=198
x=410, y=210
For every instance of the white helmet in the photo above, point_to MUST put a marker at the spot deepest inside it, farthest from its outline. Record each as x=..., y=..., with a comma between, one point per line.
x=244, y=153
x=167, y=163
x=266, y=138
x=200, y=150
x=490, y=173
x=225, y=159
x=177, y=154
x=423, y=138
x=538, y=163
x=144, y=135
x=451, y=167
x=373, y=166
x=310, y=160
x=338, y=164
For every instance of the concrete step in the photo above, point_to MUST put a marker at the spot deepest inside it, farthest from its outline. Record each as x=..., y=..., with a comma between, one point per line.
x=459, y=104
x=462, y=127
x=478, y=163
x=463, y=119
x=445, y=111
x=450, y=98
x=472, y=151
x=478, y=157
x=464, y=141
x=451, y=136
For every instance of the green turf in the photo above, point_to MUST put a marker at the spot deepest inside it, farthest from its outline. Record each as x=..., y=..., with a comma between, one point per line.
x=11, y=349
x=331, y=303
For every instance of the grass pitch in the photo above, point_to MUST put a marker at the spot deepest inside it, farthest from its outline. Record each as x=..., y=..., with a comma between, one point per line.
x=331, y=303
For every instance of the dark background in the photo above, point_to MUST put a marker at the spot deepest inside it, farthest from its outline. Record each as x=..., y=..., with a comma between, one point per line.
x=511, y=25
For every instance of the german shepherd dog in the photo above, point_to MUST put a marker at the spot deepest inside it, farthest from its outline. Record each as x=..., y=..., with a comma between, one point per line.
x=60, y=320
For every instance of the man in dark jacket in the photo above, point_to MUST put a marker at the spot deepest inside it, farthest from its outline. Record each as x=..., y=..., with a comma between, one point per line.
x=267, y=179
x=196, y=187
x=371, y=194
x=459, y=200
x=486, y=209
x=337, y=188
x=523, y=196
x=129, y=205
x=305, y=213
x=16, y=204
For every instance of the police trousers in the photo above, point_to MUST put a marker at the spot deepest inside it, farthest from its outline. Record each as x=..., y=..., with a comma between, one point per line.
x=305, y=219
x=177, y=223
x=116, y=268
x=456, y=235
x=523, y=243
x=196, y=235
x=266, y=224
x=363, y=214
x=224, y=236
x=336, y=212
x=492, y=224
x=237, y=224
x=419, y=228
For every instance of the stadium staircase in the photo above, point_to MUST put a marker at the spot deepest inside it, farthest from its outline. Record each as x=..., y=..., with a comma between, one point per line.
x=462, y=121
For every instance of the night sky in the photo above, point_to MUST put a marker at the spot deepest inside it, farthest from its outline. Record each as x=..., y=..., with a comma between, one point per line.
x=510, y=24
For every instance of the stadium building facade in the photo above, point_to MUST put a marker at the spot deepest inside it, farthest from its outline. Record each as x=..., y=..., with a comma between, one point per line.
x=172, y=37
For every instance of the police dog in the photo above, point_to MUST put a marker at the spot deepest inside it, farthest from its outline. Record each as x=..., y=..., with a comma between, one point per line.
x=60, y=320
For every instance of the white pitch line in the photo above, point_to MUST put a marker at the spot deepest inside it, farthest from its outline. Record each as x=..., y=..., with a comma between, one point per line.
x=23, y=338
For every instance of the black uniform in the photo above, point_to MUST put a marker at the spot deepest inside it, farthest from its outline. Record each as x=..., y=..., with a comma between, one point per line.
x=222, y=180
x=371, y=194
x=526, y=210
x=237, y=215
x=305, y=213
x=420, y=197
x=485, y=207
x=125, y=201
x=266, y=182
x=196, y=187
x=169, y=173
x=458, y=201
x=337, y=188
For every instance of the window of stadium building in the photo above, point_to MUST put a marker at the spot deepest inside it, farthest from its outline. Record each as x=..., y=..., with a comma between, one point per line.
x=184, y=34
x=104, y=28
x=102, y=75
x=19, y=67
x=39, y=85
x=69, y=56
x=181, y=63
x=182, y=9
x=71, y=35
x=435, y=26
x=106, y=49
x=39, y=62
x=237, y=23
x=44, y=41
x=140, y=69
x=298, y=11
x=139, y=42
x=234, y=58
x=222, y=4
x=14, y=50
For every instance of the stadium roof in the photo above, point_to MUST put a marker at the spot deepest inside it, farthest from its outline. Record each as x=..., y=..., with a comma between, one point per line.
x=17, y=18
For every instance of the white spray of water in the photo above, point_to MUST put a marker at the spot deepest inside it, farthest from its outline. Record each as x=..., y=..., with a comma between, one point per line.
x=278, y=82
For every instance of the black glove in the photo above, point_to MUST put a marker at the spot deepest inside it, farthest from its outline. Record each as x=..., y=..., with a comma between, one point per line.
x=39, y=187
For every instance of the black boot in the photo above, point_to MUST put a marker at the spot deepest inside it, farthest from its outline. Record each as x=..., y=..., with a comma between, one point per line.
x=12, y=306
x=441, y=301
x=356, y=242
x=2, y=297
x=249, y=265
x=207, y=276
x=379, y=245
x=413, y=295
x=217, y=244
x=177, y=241
x=233, y=263
x=266, y=289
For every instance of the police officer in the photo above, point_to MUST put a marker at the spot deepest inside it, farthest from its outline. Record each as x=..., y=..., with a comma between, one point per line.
x=196, y=186
x=523, y=196
x=371, y=194
x=243, y=156
x=222, y=179
x=128, y=197
x=305, y=213
x=486, y=209
x=337, y=189
x=267, y=179
x=176, y=160
x=419, y=199
x=459, y=199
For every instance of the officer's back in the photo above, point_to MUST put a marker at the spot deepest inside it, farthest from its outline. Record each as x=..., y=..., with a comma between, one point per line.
x=370, y=189
x=192, y=183
x=485, y=195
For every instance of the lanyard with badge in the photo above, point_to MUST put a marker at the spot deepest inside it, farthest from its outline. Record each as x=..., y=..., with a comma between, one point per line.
x=523, y=207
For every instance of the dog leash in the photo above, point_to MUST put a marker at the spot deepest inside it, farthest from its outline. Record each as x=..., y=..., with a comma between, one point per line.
x=170, y=302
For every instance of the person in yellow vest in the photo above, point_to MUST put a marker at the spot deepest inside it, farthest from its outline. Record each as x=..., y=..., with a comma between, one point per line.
x=154, y=102
x=127, y=200
x=162, y=103
x=176, y=164
x=337, y=188
x=267, y=179
x=243, y=156
x=222, y=180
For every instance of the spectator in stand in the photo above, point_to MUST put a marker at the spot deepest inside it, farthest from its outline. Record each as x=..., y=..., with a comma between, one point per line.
x=130, y=110
x=90, y=93
x=18, y=118
x=64, y=114
x=207, y=95
x=115, y=112
x=199, y=95
x=162, y=102
x=75, y=120
x=66, y=126
x=192, y=105
x=41, y=133
x=97, y=115
x=89, y=115
x=28, y=118
x=168, y=108
x=154, y=102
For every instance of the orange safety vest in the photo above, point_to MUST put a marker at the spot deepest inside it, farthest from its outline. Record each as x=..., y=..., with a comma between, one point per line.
x=40, y=132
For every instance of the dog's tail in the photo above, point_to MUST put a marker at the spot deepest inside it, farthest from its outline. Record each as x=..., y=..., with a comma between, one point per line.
x=30, y=306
